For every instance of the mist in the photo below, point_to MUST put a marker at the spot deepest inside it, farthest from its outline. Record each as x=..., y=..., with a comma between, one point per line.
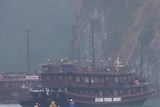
x=49, y=23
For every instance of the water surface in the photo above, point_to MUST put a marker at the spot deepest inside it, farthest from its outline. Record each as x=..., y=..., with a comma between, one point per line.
x=154, y=102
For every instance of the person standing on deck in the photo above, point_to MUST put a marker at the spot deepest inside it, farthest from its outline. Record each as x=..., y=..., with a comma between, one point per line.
x=71, y=103
x=36, y=105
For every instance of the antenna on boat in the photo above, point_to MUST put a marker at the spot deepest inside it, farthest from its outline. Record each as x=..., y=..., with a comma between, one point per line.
x=28, y=58
x=93, y=46
x=117, y=62
x=79, y=53
x=48, y=61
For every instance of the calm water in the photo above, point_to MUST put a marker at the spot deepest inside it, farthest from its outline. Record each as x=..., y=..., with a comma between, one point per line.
x=148, y=103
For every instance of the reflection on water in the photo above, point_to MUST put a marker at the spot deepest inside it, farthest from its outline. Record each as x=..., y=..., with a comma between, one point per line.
x=155, y=102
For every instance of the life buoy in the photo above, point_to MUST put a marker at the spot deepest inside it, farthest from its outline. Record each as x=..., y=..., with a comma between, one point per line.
x=136, y=82
x=117, y=68
x=89, y=68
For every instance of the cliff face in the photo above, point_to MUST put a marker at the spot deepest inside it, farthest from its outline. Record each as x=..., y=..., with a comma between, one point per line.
x=127, y=27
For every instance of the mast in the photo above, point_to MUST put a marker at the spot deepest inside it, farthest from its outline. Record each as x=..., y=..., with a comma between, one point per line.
x=80, y=8
x=93, y=53
x=141, y=56
x=79, y=52
x=28, y=58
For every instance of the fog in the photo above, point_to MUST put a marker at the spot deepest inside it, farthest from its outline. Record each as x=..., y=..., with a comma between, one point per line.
x=49, y=23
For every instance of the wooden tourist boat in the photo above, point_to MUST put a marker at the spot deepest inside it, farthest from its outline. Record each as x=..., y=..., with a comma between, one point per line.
x=88, y=87
x=14, y=87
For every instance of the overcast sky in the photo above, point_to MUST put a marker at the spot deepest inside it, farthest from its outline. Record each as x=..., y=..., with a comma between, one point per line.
x=50, y=29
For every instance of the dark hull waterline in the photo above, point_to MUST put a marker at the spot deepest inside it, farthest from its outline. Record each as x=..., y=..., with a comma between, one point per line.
x=63, y=101
x=29, y=103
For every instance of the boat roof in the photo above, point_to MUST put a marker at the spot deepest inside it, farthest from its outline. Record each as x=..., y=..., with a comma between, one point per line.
x=92, y=72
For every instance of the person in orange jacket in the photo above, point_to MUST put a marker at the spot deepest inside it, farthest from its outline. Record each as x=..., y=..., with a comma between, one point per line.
x=53, y=104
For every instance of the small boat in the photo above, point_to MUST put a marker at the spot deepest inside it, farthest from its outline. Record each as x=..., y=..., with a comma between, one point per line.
x=119, y=84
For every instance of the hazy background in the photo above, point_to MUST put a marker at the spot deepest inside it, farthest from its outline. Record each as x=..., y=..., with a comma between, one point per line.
x=59, y=28
x=50, y=29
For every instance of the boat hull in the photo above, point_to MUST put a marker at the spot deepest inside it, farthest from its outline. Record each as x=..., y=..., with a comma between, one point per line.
x=62, y=99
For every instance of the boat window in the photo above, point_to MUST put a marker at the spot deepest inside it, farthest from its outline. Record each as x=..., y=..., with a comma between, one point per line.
x=129, y=91
x=125, y=92
x=115, y=93
x=116, y=79
x=7, y=84
x=133, y=77
x=14, y=93
x=86, y=92
x=141, y=89
x=100, y=93
x=124, y=78
x=92, y=92
x=82, y=78
x=101, y=80
x=16, y=84
x=120, y=79
x=54, y=77
x=48, y=78
x=44, y=68
x=134, y=90
x=26, y=93
x=129, y=78
x=35, y=82
x=106, y=78
x=86, y=79
x=96, y=80
x=146, y=88
x=107, y=92
x=111, y=79
x=80, y=91
x=77, y=78
x=12, y=84
x=60, y=77
x=92, y=79
x=121, y=92
x=70, y=77
x=1, y=94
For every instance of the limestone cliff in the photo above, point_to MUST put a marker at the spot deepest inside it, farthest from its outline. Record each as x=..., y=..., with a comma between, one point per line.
x=127, y=27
